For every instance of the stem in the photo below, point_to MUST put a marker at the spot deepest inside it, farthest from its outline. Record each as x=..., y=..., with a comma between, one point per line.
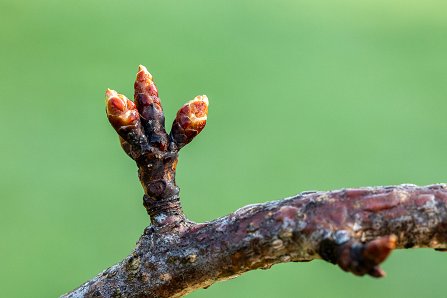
x=354, y=228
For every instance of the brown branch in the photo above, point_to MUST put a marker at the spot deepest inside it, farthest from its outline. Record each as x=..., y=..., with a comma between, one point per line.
x=354, y=228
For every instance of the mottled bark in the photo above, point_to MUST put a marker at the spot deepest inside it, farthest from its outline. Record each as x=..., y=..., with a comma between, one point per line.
x=349, y=227
x=353, y=228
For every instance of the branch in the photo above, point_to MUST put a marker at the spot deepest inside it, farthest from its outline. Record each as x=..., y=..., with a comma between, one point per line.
x=354, y=228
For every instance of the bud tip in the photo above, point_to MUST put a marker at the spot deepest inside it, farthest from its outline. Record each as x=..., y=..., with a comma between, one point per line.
x=198, y=107
x=110, y=93
x=143, y=70
x=203, y=98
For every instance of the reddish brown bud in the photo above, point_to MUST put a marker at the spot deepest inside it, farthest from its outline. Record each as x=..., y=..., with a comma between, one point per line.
x=365, y=258
x=144, y=82
x=149, y=107
x=123, y=115
x=379, y=249
x=190, y=120
x=146, y=95
x=120, y=110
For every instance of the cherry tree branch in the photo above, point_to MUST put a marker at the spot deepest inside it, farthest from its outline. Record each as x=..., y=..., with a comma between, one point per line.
x=354, y=228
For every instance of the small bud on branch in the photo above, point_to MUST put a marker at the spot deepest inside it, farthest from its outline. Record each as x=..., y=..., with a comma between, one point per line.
x=120, y=110
x=364, y=258
x=150, y=109
x=190, y=121
x=146, y=94
x=123, y=115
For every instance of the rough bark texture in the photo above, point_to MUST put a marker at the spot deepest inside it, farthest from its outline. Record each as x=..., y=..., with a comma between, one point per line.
x=353, y=228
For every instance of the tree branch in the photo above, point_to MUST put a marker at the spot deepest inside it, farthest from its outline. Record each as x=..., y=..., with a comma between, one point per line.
x=353, y=228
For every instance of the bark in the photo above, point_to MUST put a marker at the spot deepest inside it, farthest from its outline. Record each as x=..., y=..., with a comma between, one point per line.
x=353, y=228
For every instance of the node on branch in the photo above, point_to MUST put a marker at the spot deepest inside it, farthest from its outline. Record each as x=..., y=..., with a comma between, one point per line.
x=141, y=127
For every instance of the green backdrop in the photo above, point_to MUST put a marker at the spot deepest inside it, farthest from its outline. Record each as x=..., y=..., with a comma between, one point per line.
x=304, y=95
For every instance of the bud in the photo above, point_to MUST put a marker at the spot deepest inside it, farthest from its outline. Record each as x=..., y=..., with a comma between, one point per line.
x=190, y=120
x=149, y=107
x=120, y=110
x=144, y=82
x=365, y=258
x=379, y=249
x=123, y=115
x=146, y=95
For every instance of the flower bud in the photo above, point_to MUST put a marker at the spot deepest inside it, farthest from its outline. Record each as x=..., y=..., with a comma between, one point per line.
x=190, y=120
x=149, y=107
x=123, y=115
x=146, y=96
x=120, y=110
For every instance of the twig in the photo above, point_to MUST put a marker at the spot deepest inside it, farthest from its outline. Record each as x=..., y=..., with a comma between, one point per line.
x=354, y=228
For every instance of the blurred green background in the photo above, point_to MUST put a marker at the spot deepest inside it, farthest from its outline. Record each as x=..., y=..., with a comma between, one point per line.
x=303, y=95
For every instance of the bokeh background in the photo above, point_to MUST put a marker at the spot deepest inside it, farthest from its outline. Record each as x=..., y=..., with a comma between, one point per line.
x=304, y=95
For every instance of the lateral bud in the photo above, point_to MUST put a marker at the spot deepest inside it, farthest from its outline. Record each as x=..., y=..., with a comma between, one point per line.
x=120, y=110
x=365, y=258
x=190, y=121
x=123, y=115
x=378, y=250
